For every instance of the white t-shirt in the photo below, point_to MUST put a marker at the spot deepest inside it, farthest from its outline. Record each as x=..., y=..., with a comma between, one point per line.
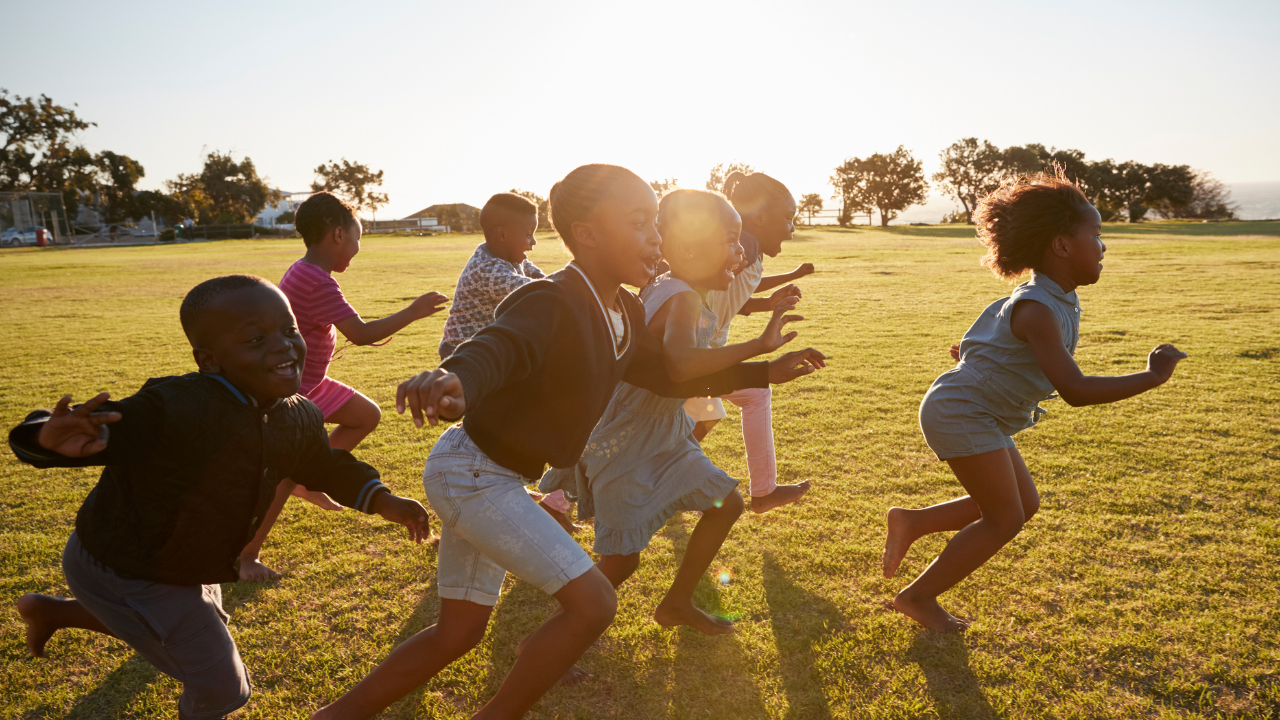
x=619, y=328
x=726, y=303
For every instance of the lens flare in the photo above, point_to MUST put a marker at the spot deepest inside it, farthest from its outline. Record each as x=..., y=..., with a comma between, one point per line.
x=720, y=503
x=724, y=576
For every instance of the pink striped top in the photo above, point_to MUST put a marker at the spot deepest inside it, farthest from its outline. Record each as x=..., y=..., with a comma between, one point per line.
x=317, y=303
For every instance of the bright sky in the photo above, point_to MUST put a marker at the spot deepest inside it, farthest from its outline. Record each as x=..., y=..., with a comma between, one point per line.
x=456, y=101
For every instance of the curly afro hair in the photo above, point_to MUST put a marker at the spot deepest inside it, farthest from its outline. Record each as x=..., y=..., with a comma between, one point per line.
x=1018, y=220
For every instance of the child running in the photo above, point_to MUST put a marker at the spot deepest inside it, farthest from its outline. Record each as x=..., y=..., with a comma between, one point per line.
x=532, y=385
x=1017, y=353
x=191, y=466
x=499, y=265
x=642, y=464
x=331, y=232
x=768, y=210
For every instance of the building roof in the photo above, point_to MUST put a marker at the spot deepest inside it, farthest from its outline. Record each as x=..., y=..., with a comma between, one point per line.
x=464, y=210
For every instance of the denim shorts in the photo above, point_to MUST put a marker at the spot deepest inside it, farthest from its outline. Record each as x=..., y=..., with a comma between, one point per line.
x=181, y=629
x=956, y=425
x=489, y=525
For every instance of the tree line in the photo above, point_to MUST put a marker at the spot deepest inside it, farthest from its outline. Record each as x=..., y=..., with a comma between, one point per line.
x=40, y=153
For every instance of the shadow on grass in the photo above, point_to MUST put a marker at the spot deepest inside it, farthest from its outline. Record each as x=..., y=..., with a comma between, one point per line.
x=944, y=660
x=424, y=615
x=800, y=621
x=112, y=697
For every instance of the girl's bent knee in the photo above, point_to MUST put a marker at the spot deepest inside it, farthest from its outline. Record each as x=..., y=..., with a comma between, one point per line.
x=733, y=504
x=1029, y=508
x=459, y=640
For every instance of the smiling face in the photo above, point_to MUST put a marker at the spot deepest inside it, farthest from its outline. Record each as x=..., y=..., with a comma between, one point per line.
x=346, y=244
x=773, y=224
x=622, y=234
x=515, y=238
x=700, y=241
x=250, y=338
x=1085, y=249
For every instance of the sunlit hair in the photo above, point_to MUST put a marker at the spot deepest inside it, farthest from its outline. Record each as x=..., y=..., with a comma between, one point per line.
x=504, y=208
x=580, y=192
x=1018, y=220
x=205, y=295
x=692, y=219
x=320, y=213
x=752, y=193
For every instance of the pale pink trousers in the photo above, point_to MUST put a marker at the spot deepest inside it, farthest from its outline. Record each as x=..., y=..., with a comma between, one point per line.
x=757, y=436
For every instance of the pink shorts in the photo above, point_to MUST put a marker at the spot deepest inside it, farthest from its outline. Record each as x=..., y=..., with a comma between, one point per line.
x=330, y=395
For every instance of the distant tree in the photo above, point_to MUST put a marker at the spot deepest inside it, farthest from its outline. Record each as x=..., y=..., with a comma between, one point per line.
x=1141, y=187
x=353, y=182
x=721, y=171
x=115, y=185
x=1210, y=200
x=449, y=215
x=888, y=182
x=810, y=204
x=662, y=187
x=544, y=219
x=970, y=169
x=849, y=183
x=235, y=192
x=285, y=217
x=188, y=197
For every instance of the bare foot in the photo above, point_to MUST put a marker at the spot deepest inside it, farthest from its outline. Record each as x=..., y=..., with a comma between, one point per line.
x=671, y=614
x=253, y=570
x=897, y=541
x=929, y=613
x=782, y=495
x=31, y=607
x=561, y=518
x=317, y=498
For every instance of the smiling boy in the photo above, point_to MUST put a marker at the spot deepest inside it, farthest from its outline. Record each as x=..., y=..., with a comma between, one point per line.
x=191, y=465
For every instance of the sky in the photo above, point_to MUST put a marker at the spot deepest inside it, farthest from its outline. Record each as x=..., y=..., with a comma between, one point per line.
x=456, y=101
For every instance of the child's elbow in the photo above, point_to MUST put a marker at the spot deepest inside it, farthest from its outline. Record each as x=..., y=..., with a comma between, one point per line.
x=1073, y=397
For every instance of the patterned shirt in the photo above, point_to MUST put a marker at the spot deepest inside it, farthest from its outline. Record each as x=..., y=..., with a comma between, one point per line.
x=318, y=303
x=485, y=282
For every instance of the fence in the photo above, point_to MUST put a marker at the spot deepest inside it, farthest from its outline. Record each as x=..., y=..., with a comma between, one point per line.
x=830, y=216
x=22, y=214
x=412, y=225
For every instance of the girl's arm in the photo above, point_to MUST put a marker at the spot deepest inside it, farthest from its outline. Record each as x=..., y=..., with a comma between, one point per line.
x=769, y=282
x=676, y=324
x=767, y=304
x=1036, y=324
x=366, y=333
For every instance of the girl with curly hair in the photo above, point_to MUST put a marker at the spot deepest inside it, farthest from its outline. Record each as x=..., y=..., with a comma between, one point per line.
x=1018, y=353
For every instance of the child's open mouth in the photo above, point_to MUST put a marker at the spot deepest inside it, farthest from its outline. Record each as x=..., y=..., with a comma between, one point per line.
x=286, y=369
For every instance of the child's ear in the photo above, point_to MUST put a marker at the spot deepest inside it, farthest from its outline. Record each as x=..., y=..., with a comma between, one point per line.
x=206, y=361
x=584, y=235
x=1060, y=246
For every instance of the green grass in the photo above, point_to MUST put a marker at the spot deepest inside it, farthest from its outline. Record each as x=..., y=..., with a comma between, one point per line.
x=1146, y=587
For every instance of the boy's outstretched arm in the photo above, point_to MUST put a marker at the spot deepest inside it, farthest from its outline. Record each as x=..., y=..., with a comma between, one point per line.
x=1038, y=326
x=366, y=333
x=769, y=282
x=406, y=512
x=97, y=432
x=767, y=304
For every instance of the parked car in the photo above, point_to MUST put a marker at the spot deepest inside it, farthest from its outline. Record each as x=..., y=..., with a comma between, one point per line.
x=19, y=236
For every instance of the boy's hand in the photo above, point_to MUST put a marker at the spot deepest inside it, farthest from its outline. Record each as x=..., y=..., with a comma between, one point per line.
x=434, y=393
x=955, y=353
x=1163, y=360
x=782, y=293
x=795, y=364
x=772, y=338
x=428, y=305
x=406, y=512
x=804, y=269
x=80, y=432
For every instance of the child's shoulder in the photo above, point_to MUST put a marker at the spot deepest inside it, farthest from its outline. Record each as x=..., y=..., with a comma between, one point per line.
x=304, y=274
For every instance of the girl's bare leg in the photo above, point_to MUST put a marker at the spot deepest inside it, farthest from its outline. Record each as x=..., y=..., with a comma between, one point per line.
x=460, y=628
x=709, y=534
x=993, y=481
x=905, y=526
x=356, y=419
x=702, y=428
x=45, y=615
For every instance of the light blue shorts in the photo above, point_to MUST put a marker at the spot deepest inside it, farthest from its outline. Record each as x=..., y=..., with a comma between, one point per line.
x=955, y=425
x=490, y=526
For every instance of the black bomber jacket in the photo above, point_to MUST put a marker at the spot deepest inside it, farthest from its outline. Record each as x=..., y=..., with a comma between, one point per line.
x=191, y=467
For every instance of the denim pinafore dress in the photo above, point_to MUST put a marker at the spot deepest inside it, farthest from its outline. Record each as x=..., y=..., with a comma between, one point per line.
x=995, y=389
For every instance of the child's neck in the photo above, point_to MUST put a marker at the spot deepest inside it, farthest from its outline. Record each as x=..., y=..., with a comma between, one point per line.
x=699, y=286
x=317, y=256
x=1058, y=276
x=605, y=284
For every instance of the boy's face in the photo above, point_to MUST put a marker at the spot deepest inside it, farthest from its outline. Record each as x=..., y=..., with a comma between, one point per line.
x=346, y=245
x=250, y=338
x=774, y=224
x=623, y=232
x=516, y=238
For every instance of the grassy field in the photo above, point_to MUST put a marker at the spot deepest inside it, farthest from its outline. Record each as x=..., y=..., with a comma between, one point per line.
x=1146, y=587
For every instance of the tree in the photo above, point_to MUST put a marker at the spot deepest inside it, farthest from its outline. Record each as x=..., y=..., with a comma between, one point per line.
x=188, y=197
x=115, y=185
x=352, y=182
x=970, y=169
x=662, y=187
x=235, y=192
x=1210, y=200
x=721, y=171
x=890, y=183
x=544, y=219
x=810, y=204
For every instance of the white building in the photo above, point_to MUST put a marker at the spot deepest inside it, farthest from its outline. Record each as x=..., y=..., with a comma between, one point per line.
x=289, y=203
